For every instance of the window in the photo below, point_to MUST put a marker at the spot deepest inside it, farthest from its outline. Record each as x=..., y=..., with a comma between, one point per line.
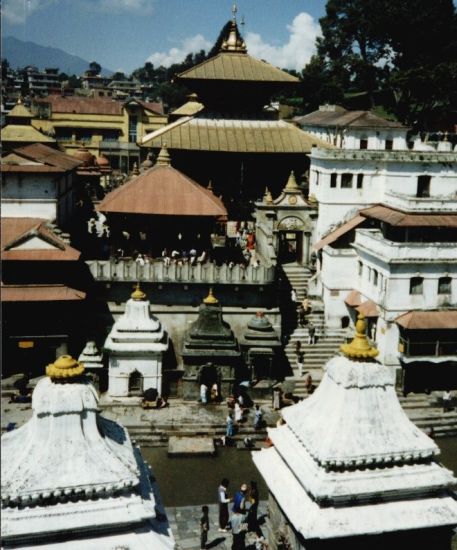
x=359, y=181
x=375, y=277
x=444, y=285
x=416, y=285
x=360, y=269
x=317, y=178
x=363, y=144
x=389, y=144
x=423, y=186
x=346, y=181
x=333, y=180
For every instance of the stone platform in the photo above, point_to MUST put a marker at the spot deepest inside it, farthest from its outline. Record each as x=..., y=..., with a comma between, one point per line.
x=191, y=446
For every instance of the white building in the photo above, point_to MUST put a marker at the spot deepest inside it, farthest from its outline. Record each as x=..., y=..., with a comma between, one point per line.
x=72, y=480
x=136, y=345
x=349, y=470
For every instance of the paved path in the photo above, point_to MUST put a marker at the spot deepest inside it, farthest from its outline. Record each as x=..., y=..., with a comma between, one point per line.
x=185, y=525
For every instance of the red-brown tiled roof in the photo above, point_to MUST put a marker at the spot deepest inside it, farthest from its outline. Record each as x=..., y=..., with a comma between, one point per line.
x=92, y=105
x=35, y=169
x=48, y=156
x=337, y=233
x=422, y=320
x=398, y=218
x=343, y=118
x=40, y=293
x=163, y=190
x=15, y=231
x=353, y=299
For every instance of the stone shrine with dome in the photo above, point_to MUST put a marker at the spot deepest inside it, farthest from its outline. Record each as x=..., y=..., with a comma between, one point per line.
x=72, y=480
x=136, y=345
x=210, y=352
x=349, y=470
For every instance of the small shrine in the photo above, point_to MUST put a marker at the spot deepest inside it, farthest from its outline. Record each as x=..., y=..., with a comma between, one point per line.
x=92, y=359
x=73, y=479
x=284, y=225
x=210, y=352
x=260, y=345
x=136, y=345
x=349, y=470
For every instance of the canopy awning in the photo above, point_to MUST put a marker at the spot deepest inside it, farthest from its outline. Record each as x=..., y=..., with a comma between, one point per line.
x=368, y=308
x=397, y=218
x=423, y=320
x=337, y=233
x=353, y=299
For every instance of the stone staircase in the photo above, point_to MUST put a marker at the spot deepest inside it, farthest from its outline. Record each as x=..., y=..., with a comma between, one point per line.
x=426, y=411
x=327, y=342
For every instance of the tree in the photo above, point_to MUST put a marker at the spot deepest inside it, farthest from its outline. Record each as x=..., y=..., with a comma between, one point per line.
x=95, y=67
x=5, y=67
x=119, y=76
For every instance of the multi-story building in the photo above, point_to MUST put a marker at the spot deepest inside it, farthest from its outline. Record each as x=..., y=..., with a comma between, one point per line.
x=43, y=82
x=107, y=127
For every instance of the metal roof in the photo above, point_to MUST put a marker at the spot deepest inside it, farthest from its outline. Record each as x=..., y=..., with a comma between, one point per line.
x=342, y=117
x=93, y=106
x=337, y=233
x=233, y=136
x=236, y=67
x=47, y=155
x=422, y=320
x=163, y=190
x=24, y=133
x=397, y=218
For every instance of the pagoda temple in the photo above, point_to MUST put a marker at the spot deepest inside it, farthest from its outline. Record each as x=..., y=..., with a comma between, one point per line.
x=136, y=345
x=349, y=470
x=72, y=479
x=210, y=352
x=234, y=137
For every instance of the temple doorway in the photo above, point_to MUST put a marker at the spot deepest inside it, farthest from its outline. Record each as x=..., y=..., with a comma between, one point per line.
x=209, y=376
x=135, y=383
x=291, y=246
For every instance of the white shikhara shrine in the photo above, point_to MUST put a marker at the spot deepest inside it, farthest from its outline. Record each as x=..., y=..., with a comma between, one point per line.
x=136, y=345
x=349, y=462
x=72, y=479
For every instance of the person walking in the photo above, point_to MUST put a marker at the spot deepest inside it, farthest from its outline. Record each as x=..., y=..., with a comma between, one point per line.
x=223, y=500
x=300, y=363
x=293, y=296
x=311, y=333
x=238, y=413
x=230, y=430
x=297, y=347
x=204, y=527
x=258, y=415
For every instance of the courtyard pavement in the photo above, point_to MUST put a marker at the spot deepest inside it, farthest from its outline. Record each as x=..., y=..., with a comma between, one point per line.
x=185, y=525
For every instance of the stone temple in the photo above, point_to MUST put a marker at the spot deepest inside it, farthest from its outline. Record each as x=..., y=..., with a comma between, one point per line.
x=72, y=479
x=350, y=470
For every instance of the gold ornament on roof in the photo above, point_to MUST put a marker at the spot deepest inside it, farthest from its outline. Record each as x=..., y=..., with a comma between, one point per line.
x=138, y=294
x=292, y=182
x=64, y=367
x=268, y=197
x=211, y=299
x=164, y=157
x=359, y=348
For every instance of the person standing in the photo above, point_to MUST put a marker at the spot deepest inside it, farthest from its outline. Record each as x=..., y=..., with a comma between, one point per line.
x=447, y=398
x=293, y=296
x=258, y=418
x=300, y=364
x=311, y=333
x=276, y=398
x=204, y=527
x=297, y=347
x=252, y=513
x=239, y=528
x=238, y=413
x=204, y=393
x=230, y=431
x=239, y=500
x=223, y=500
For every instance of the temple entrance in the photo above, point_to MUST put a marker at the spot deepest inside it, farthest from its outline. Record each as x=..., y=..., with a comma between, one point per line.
x=135, y=383
x=209, y=376
x=290, y=246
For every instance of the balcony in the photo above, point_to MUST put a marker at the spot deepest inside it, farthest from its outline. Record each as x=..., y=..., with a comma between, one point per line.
x=382, y=156
x=435, y=351
x=158, y=272
x=372, y=242
x=408, y=203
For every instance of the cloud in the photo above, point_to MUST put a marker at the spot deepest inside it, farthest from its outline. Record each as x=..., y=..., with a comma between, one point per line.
x=18, y=11
x=296, y=52
x=176, y=55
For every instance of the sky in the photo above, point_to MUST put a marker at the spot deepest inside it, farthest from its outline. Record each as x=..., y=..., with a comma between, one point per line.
x=124, y=34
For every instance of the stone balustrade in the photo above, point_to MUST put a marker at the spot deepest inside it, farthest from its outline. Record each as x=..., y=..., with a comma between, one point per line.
x=158, y=272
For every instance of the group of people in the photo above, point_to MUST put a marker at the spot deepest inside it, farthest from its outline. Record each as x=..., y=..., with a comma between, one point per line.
x=243, y=517
x=209, y=394
x=181, y=257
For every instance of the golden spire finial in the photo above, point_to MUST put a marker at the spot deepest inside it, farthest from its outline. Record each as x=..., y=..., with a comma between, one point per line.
x=138, y=294
x=64, y=367
x=359, y=348
x=234, y=11
x=234, y=42
x=19, y=101
x=292, y=182
x=210, y=299
x=268, y=199
x=164, y=157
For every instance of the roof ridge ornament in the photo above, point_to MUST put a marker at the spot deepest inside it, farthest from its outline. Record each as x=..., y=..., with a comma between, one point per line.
x=234, y=42
x=64, y=368
x=210, y=299
x=268, y=198
x=138, y=295
x=359, y=348
x=291, y=184
x=164, y=158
